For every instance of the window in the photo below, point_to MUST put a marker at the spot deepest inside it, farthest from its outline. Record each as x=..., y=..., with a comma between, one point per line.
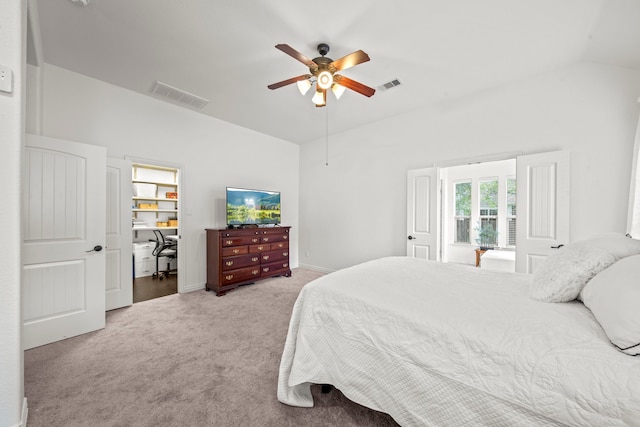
x=463, y=212
x=511, y=212
x=487, y=227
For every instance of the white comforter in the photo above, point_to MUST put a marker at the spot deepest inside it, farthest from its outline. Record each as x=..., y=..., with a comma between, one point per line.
x=441, y=344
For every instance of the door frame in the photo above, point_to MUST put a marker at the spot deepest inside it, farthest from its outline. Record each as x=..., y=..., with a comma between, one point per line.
x=520, y=186
x=181, y=246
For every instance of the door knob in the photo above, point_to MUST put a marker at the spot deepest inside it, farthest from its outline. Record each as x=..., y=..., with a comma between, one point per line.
x=410, y=237
x=96, y=248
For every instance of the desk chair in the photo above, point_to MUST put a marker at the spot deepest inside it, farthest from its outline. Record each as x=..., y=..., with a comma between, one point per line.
x=164, y=248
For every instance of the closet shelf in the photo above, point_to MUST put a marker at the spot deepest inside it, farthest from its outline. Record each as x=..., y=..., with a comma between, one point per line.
x=160, y=184
x=155, y=210
x=153, y=228
x=157, y=199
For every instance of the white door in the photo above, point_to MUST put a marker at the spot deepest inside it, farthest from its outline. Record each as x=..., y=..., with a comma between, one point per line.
x=422, y=214
x=543, y=190
x=119, y=278
x=63, y=277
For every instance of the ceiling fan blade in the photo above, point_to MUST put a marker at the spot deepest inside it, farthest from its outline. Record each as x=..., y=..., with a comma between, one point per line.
x=289, y=81
x=296, y=55
x=355, y=58
x=354, y=85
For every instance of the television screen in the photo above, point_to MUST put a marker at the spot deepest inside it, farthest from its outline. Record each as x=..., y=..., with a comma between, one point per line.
x=246, y=206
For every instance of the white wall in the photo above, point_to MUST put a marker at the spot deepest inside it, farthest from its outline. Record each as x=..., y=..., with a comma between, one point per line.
x=354, y=209
x=12, y=54
x=212, y=154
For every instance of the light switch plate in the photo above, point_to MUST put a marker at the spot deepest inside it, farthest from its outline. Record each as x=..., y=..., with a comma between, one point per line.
x=6, y=79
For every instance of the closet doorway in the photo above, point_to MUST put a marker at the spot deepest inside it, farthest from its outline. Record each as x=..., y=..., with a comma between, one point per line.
x=156, y=239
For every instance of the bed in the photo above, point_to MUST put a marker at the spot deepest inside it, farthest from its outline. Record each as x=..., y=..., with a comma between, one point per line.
x=442, y=344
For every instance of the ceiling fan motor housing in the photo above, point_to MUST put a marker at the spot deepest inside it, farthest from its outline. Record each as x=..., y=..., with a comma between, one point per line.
x=323, y=64
x=323, y=49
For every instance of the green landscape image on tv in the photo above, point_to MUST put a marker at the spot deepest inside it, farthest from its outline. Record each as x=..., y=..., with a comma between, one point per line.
x=246, y=206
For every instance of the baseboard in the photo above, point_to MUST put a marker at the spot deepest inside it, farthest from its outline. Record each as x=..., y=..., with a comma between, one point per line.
x=316, y=268
x=24, y=414
x=194, y=287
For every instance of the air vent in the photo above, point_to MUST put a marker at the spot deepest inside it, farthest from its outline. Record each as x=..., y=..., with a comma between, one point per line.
x=164, y=90
x=390, y=85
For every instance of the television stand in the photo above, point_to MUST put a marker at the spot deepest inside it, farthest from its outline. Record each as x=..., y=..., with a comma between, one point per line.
x=240, y=256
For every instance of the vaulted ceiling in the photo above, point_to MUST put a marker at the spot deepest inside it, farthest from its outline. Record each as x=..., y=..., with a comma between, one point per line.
x=223, y=51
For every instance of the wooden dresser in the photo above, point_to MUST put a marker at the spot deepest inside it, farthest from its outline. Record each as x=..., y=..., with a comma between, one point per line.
x=239, y=256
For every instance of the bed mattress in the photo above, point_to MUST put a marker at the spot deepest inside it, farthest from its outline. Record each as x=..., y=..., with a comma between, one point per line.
x=442, y=344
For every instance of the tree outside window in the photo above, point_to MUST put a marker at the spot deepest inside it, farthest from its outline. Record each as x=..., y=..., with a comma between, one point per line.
x=511, y=212
x=488, y=228
x=462, y=212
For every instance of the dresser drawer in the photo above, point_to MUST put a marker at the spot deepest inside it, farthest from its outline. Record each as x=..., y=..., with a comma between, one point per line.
x=272, y=256
x=262, y=247
x=270, y=238
x=235, y=250
x=239, y=240
x=280, y=245
x=234, y=262
x=274, y=268
x=240, y=275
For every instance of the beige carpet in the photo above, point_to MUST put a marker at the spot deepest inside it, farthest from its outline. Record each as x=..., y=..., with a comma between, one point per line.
x=183, y=360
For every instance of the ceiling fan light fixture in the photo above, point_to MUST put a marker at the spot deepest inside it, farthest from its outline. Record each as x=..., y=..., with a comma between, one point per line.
x=303, y=86
x=338, y=90
x=325, y=79
x=319, y=98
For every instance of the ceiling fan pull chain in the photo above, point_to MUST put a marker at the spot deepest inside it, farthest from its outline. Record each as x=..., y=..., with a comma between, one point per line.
x=327, y=137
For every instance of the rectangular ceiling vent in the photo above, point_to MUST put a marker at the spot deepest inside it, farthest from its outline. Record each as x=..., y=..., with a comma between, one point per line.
x=390, y=85
x=164, y=90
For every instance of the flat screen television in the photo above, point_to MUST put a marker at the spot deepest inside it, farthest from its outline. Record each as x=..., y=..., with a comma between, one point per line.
x=248, y=207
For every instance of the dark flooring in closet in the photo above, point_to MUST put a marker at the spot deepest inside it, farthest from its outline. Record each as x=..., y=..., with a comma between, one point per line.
x=146, y=288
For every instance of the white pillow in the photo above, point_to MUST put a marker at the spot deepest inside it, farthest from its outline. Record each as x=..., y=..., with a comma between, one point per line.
x=561, y=277
x=617, y=244
x=613, y=296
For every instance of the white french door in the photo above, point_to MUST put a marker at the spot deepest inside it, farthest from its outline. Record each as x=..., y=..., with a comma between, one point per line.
x=423, y=203
x=63, y=279
x=119, y=272
x=543, y=201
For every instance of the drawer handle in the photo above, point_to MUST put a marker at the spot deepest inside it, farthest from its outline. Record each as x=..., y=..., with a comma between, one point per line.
x=285, y=253
x=266, y=269
x=265, y=257
x=229, y=276
x=285, y=237
x=229, y=263
x=236, y=251
x=266, y=239
x=228, y=242
x=260, y=248
x=254, y=259
x=254, y=272
x=286, y=264
x=254, y=240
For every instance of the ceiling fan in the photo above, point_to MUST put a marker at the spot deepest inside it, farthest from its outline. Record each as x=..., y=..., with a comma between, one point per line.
x=322, y=72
